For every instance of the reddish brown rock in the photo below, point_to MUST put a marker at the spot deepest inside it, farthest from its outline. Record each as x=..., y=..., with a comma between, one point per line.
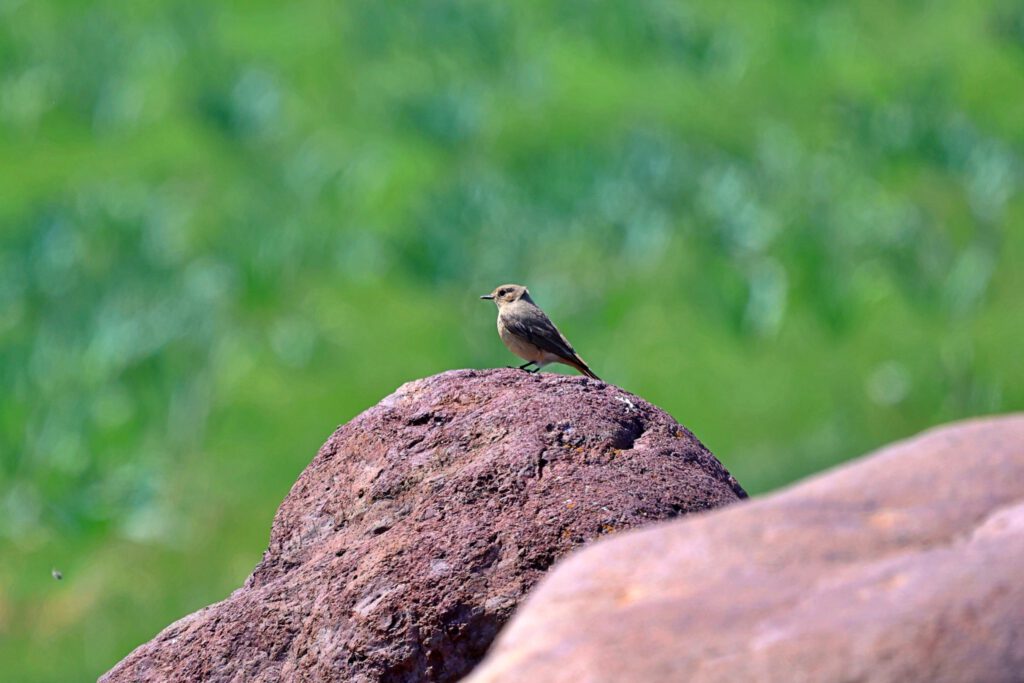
x=905, y=566
x=420, y=525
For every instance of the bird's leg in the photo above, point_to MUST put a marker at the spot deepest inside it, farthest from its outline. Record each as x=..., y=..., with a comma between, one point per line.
x=526, y=366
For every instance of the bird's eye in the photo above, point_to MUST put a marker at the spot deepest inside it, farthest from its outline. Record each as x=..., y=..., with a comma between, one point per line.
x=502, y=292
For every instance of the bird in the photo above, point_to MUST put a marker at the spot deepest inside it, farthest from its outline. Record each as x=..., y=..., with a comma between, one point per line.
x=529, y=333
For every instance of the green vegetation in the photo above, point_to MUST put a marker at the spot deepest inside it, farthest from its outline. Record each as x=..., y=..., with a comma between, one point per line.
x=226, y=227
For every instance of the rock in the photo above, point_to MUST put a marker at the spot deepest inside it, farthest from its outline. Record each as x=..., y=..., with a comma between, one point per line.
x=420, y=525
x=907, y=565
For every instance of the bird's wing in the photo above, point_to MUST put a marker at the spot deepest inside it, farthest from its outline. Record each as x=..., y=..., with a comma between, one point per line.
x=535, y=327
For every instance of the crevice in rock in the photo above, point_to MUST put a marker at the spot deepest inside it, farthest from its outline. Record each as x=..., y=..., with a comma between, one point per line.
x=628, y=434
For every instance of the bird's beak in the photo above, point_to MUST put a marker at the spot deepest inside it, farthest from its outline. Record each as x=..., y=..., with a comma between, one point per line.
x=487, y=296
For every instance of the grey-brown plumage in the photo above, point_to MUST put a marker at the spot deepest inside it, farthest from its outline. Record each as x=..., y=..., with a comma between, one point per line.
x=529, y=333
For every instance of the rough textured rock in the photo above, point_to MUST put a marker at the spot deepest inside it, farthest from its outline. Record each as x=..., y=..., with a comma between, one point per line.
x=420, y=524
x=907, y=565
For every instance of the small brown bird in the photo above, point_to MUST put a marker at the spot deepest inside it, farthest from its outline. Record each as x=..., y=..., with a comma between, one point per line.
x=530, y=334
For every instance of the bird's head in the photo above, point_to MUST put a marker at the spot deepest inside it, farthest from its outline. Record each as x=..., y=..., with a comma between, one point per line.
x=506, y=294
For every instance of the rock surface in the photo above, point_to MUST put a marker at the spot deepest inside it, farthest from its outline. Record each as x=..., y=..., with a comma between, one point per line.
x=907, y=565
x=407, y=542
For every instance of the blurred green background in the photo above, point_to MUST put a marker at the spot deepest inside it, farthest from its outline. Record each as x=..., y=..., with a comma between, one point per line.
x=226, y=227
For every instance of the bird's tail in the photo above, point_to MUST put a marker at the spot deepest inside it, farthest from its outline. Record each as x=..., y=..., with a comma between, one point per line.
x=581, y=365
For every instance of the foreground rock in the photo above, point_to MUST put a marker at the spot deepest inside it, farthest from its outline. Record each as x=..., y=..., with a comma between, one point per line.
x=420, y=525
x=907, y=565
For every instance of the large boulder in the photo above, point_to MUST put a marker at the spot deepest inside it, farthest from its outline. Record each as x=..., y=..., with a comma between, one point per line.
x=907, y=565
x=421, y=524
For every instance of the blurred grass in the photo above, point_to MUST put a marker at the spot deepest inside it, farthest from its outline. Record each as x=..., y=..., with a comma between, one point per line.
x=227, y=227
